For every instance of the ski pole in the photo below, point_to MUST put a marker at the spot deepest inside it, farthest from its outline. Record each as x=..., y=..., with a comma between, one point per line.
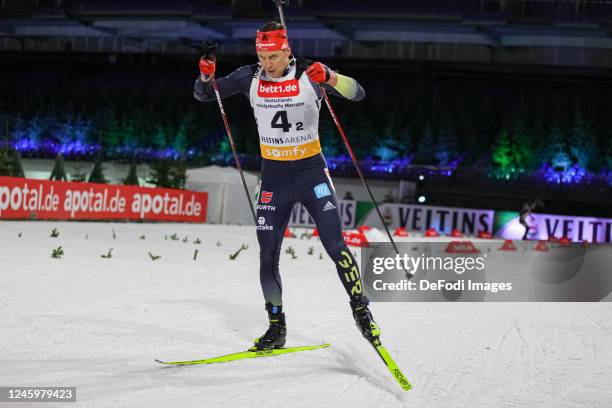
x=363, y=180
x=210, y=53
x=279, y=6
x=380, y=349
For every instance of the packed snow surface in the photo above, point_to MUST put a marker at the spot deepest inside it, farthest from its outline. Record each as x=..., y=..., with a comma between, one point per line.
x=98, y=324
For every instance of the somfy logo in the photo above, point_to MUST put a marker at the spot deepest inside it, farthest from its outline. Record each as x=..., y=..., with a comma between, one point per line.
x=279, y=153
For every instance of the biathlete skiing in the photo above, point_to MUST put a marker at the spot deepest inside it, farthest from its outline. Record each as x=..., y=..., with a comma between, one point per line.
x=286, y=95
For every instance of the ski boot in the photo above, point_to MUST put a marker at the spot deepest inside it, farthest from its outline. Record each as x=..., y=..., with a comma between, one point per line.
x=276, y=334
x=364, y=320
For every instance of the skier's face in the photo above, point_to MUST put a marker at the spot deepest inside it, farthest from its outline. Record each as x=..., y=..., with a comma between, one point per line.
x=274, y=62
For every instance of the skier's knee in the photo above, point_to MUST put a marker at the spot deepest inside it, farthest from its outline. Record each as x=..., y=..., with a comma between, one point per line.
x=334, y=249
x=267, y=257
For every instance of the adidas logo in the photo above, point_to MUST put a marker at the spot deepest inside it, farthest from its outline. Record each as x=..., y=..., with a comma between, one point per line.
x=328, y=206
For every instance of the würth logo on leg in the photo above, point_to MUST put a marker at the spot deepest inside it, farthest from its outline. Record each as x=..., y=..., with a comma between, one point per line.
x=266, y=196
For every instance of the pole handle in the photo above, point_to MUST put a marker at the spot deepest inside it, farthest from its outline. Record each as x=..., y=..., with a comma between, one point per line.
x=279, y=6
x=209, y=48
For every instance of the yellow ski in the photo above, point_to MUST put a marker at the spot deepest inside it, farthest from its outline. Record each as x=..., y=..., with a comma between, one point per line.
x=390, y=363
x=251, y=353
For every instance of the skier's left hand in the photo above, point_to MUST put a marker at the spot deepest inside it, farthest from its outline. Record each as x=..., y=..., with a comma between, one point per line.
x=318, y=73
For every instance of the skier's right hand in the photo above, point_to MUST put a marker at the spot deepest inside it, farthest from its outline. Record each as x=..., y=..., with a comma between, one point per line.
x=207, y=67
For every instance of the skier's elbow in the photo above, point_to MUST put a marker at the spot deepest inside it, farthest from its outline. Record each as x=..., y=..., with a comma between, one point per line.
x=359, y=94
x=349, y=88
x=200, y=92
x=199, y=97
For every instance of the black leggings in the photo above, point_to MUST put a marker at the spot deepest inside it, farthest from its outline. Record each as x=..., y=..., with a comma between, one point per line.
x=282, y=187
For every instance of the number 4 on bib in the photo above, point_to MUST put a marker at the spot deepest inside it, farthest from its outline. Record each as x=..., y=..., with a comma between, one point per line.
x=280, y=121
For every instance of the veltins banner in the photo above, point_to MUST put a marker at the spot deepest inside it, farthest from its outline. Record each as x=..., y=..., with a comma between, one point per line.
x=422, y=217
x=546, y=226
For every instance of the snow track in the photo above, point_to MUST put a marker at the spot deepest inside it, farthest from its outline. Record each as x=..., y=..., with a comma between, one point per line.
x=97, y=324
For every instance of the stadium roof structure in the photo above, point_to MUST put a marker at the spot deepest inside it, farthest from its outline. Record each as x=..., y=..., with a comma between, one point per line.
x=525, y=32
